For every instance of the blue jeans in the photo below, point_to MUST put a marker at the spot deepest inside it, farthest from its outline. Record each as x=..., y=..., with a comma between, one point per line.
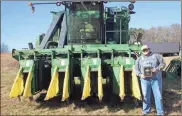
x=156, y=84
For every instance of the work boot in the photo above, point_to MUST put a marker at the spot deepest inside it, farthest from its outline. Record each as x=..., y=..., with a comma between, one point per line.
x=143, y=114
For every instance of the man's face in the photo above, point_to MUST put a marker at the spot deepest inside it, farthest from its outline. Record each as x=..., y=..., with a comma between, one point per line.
x=146, y=51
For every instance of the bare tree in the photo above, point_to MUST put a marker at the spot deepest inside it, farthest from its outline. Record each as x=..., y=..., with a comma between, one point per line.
x=4, y=48
x=136, y=35
x=170, y=33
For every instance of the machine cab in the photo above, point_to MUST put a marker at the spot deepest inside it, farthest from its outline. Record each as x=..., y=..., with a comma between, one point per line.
x=84, y=22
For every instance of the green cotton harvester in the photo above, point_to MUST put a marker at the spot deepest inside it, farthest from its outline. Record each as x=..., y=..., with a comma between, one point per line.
x=87, y=49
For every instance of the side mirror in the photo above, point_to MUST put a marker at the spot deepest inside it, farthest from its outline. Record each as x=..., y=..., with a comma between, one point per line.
x=131, y=6
x=58, y=3
x=132, y=12
x=30, y=46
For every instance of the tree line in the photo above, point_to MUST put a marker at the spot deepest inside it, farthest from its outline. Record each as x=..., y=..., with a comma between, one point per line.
x=4, y=48
x=170, y=33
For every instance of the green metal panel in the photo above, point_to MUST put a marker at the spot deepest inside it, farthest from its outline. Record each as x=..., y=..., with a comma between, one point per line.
x=33, y=89
x=93, y=63
x=79, y=48
x=26, y=64
x=60, y=63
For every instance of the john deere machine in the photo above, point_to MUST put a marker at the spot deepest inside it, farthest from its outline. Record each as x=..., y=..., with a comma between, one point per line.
x=86, y=47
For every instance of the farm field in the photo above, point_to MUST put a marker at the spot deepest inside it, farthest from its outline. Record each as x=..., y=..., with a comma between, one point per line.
x=9, y=67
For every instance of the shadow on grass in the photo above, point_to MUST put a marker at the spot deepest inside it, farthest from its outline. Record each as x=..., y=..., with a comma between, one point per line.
x=53, y=103
x=172, y=95
x=90, y=104
x=173, y=102
x=171, y=98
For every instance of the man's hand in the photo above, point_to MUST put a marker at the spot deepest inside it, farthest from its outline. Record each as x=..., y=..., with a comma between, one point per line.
x=154, y=70
x=142, y=76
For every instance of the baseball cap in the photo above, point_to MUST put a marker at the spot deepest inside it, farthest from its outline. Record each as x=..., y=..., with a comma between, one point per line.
x=144, y=47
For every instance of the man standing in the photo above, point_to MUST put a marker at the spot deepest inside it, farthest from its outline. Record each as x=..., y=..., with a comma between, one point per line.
x=149, y=68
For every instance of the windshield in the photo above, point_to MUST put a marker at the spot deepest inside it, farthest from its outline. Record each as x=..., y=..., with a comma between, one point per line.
x=84, y=23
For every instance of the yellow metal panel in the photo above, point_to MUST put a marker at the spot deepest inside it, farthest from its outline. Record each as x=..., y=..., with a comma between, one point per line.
x=86, y=87
x=54, y=85
x=28, y=83
x=100, y=88
x=122, y=90
x=17, y=88
x=65, y=85
x=135, y=86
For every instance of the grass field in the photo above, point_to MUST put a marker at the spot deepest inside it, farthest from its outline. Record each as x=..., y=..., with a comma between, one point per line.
x=9, y=67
